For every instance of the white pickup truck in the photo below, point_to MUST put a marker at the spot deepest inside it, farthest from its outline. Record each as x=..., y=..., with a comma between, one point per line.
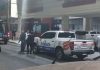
x=92, y=35
x=63, y=43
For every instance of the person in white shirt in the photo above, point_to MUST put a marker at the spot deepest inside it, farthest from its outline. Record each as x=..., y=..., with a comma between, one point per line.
x=27, y=33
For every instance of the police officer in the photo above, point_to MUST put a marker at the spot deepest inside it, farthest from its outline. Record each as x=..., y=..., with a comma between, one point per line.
x=23, y=41
x=30, y=43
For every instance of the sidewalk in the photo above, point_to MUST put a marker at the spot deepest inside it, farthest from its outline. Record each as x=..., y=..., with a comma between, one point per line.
x=14, y=41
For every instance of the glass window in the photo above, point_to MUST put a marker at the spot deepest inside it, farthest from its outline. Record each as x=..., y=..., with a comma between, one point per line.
x=92, y=32
x=49, y=35
x=37, y=28
x=66, y=35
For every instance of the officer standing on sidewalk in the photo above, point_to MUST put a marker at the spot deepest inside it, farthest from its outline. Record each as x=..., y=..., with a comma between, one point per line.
x=23, y=42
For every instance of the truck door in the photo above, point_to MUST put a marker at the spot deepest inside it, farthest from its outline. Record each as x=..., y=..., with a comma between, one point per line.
x=48, y=41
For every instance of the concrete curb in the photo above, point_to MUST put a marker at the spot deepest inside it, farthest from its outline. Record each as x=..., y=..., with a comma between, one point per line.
x=94, y=56
x=15, y=43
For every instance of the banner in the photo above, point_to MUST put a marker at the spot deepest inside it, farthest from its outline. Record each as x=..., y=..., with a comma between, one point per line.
x=71, y=3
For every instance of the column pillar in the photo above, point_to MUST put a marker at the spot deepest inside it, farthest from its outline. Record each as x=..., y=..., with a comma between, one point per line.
x=65, y=23
x=88, y=24
x=84, y=24
x=19, y=28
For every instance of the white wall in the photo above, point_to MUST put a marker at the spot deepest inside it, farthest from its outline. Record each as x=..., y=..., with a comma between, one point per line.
x=54, y=8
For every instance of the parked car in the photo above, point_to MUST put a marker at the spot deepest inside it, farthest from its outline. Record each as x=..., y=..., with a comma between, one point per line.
x=92, y=35
x=3, y=35
x=63, y=43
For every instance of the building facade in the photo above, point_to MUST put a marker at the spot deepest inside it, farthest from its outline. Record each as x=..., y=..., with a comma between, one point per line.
x=43, y=9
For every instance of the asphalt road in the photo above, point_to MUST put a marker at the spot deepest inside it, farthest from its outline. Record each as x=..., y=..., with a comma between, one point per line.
x=11, y=60
x=8, y=62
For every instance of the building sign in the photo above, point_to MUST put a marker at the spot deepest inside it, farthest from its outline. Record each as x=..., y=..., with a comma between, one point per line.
x=70, y=3
x=34, y=6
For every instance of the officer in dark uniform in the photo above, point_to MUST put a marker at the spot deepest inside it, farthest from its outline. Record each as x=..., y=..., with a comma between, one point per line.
x=23, y=41
x=30, y=43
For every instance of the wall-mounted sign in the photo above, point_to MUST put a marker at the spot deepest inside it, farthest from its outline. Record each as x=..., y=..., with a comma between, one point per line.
x=70, y=3
x=34, y=6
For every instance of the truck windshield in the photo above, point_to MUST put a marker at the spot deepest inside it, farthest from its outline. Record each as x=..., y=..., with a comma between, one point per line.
x=92, y=32
x=66, y=35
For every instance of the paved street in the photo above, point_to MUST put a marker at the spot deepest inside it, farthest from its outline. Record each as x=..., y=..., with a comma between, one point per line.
x=11, y=60
x=8, y=62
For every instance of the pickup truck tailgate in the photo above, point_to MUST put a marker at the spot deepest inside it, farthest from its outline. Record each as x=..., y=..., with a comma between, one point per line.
x=84, y=45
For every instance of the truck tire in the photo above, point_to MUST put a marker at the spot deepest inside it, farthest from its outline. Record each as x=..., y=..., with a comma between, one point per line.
x=59, y=53
x=81, y=57
x=35, y=49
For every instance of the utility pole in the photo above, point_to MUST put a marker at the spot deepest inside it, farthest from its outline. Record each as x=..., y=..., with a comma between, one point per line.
x=9, y=15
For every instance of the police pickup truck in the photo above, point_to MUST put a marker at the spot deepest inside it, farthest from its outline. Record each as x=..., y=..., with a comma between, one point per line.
x=63, y=43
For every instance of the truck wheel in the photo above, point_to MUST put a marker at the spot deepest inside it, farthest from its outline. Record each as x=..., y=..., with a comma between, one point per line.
x=59, y=53
x=35, y=49
x=81, y=56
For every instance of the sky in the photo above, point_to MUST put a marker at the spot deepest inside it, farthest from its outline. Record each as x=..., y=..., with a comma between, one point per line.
x=14, y=8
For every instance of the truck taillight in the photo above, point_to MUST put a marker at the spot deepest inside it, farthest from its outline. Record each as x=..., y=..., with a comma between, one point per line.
x=8, y=34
